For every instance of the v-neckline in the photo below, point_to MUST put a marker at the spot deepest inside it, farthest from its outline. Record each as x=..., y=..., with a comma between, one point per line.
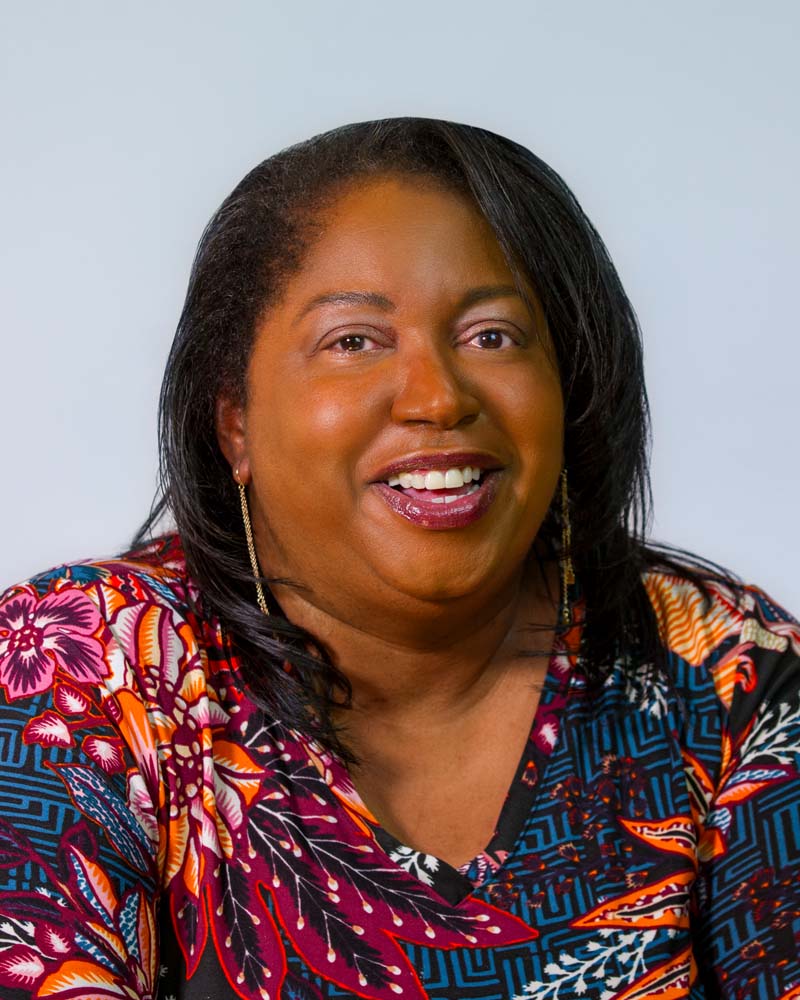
x=454, y=884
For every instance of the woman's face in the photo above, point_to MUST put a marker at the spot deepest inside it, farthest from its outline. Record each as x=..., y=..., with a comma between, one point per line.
x=400, y=348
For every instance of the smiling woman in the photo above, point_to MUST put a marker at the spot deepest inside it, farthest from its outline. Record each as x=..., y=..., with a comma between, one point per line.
x=397, y=380
x=405, y=705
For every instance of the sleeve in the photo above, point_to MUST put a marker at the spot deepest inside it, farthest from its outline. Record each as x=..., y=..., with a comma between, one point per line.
x=747, y=940
x=79, y=842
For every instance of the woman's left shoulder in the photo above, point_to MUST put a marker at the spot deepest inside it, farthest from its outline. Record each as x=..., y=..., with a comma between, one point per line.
x=745, y=641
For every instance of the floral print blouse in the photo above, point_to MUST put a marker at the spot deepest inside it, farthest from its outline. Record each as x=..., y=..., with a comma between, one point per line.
x=161, y=837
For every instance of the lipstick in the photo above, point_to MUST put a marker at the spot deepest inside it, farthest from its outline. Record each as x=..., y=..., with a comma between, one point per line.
x=460, y=513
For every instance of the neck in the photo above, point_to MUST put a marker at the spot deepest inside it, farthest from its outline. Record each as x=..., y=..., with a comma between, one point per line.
x=445, y=661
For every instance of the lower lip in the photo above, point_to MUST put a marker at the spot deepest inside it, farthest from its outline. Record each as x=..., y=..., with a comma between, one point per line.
x=439, y=516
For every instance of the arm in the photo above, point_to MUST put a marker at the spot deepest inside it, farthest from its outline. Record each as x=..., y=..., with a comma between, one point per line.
x=78, y=837
x=748, y=892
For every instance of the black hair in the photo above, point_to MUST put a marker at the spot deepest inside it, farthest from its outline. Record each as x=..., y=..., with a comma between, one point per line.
x=257, y=239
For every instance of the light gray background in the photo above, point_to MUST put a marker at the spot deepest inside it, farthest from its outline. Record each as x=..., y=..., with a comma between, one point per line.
x=124, y=125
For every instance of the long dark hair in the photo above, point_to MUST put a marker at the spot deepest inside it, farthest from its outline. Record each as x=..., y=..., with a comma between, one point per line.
x=257, y=239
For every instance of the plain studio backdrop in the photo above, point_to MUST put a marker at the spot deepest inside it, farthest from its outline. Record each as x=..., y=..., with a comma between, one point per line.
x=124, y=126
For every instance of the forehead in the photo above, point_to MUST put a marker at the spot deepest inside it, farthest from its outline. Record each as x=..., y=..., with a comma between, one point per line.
x=398, y=233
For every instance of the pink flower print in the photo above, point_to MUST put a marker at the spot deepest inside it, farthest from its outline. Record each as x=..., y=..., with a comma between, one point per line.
x=545, y=731
x=38, y=635
x=48, y=729
x=20, y=967
x=70, y=701
x=105, y=751
x=53, y=941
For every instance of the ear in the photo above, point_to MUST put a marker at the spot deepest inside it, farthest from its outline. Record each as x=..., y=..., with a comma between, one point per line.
x=229, y=420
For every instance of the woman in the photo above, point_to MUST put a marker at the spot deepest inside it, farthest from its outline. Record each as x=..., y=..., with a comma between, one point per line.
x=406, y=707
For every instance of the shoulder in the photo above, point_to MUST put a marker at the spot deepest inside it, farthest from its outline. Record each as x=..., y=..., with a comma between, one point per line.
x=736, y=634
x=63, y=621
x=159, y=566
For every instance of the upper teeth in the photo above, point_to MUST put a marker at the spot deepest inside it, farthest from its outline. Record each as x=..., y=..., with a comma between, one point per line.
x=436, y=479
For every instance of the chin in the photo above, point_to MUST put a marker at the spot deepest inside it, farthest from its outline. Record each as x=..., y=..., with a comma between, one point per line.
x=432, y=585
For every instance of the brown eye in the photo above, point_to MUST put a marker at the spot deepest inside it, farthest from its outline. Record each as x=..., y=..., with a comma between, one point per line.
x=491, y=340
x=353, y=343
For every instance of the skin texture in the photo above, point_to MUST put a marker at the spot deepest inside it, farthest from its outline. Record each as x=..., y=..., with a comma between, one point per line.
x=426, y=624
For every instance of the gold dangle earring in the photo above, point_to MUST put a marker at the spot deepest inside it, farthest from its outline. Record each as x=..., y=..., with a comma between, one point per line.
x=567, y=570
x=251, y=547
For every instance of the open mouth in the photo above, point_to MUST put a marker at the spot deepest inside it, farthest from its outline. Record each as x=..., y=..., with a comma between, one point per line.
x=441, y=500
x=438, y=487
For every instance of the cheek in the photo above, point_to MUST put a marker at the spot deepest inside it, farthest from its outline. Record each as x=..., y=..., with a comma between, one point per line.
x=305, y=435
x=534, y=409
x=537, y=415
x=329, y=414
x=547, y=415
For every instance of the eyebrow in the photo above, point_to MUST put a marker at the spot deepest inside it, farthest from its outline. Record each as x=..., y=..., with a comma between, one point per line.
x=471, y=298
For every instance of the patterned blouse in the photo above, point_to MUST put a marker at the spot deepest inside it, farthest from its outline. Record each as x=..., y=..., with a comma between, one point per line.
x=161, y=837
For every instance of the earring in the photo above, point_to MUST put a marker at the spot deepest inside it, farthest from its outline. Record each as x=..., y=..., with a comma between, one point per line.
x=567, y=569
x=251, y=548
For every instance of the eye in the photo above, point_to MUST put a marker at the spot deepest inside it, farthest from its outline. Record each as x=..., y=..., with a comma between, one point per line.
x=353, y=343
x=492, y=339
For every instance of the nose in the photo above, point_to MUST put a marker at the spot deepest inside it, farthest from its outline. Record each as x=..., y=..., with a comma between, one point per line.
x=432, y=390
